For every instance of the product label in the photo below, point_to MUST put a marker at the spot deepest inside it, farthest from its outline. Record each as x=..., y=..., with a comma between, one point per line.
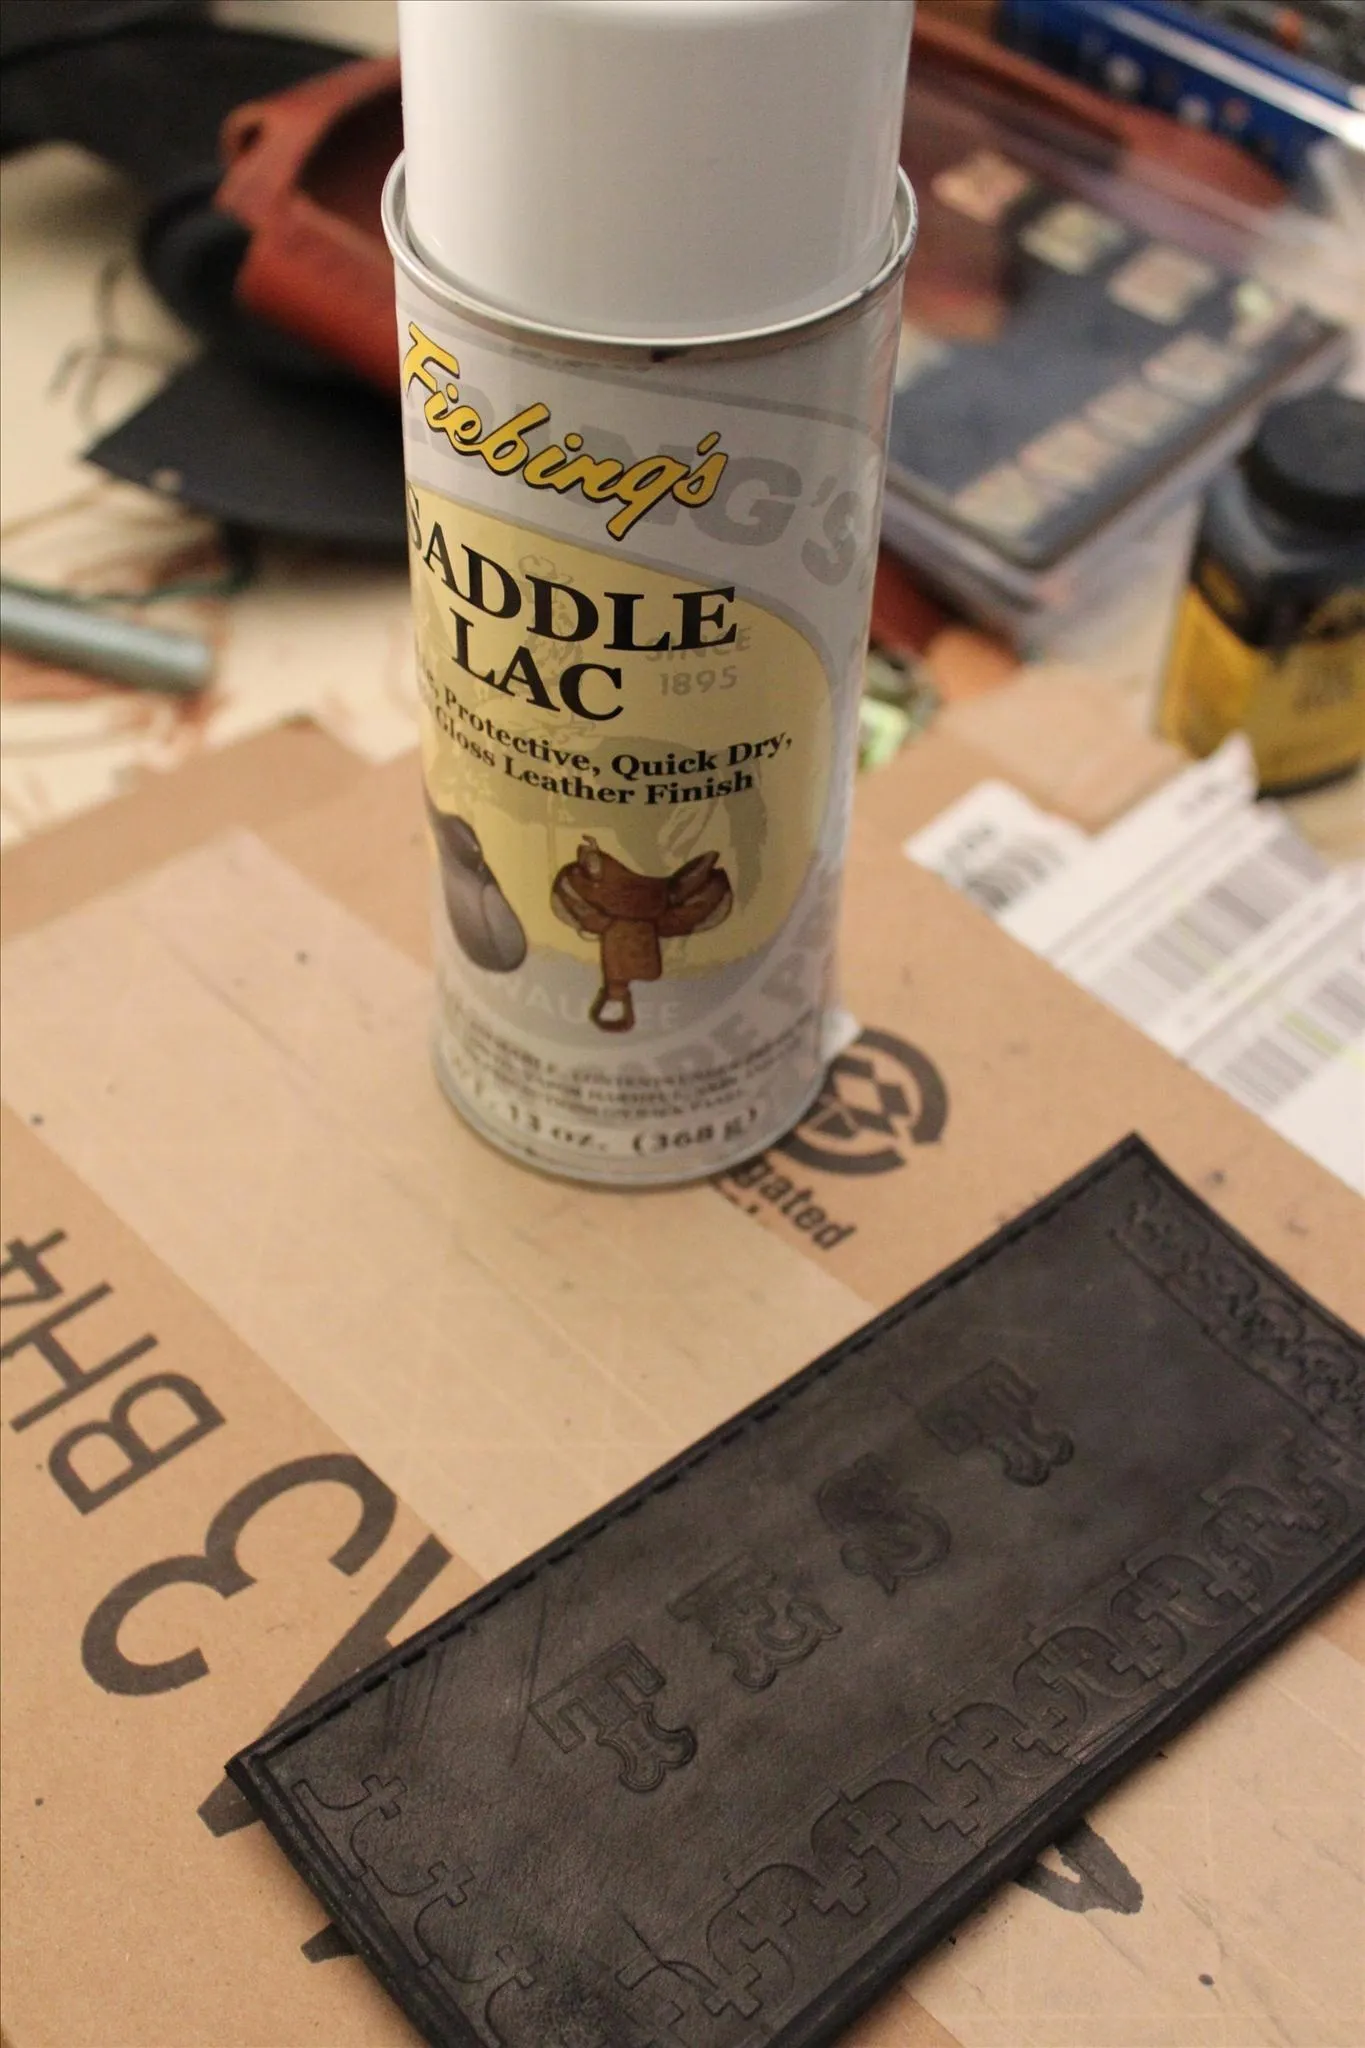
x=1302, y=708
x=640, y=608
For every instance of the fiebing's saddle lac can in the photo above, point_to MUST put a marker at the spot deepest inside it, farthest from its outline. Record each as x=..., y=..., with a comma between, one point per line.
x=641, y=575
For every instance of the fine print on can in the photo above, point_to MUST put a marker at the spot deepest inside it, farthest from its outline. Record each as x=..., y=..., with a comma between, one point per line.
x=641, y=581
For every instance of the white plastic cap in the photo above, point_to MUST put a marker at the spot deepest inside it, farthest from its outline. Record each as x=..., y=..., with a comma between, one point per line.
x=652, y=168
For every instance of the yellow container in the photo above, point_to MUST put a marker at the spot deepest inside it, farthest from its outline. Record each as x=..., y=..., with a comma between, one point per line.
x=1270, y=638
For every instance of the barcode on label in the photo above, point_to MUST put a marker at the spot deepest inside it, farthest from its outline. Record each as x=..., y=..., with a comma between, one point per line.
x=1210, y=929
x=1010, y=874
x=1263, y=1074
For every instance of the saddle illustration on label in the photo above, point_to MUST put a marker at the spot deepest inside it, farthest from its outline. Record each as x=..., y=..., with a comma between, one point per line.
x=487, y=929
x=630, y=913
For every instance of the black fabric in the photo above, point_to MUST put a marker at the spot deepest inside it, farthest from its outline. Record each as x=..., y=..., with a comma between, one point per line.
x=264, y=431
x=145, y=88
x=29, y=25
x=719, y=1763
x=269, y=453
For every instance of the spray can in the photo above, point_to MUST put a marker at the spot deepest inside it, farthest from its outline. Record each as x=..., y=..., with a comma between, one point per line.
x=648, y=255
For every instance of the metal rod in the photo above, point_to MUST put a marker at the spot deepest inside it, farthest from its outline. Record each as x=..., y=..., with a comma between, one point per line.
x=58, y=630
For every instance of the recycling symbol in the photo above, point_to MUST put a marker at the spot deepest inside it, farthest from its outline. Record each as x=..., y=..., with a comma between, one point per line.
x=880, y=1098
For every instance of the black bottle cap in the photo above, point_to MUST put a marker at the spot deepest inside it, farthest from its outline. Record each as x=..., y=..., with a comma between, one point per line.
x=1308, y=461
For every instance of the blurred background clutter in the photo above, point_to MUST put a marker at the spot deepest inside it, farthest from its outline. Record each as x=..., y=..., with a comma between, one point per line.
x=1140, y=227
x=1142, y=242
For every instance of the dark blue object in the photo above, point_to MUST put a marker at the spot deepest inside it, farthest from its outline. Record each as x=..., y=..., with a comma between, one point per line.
x=1178, y=60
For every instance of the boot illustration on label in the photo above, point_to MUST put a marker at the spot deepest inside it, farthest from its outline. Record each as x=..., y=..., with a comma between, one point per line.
x=487, y=929
x=629, y=914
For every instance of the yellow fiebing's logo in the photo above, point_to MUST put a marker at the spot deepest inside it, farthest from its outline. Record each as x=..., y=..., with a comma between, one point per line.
x=505, y=450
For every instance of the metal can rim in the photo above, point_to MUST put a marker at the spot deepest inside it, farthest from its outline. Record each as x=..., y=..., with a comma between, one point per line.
x=542, y=336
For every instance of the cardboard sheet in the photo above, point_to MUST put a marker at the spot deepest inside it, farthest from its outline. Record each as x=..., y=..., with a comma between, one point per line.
x=220, y=1060
x=272, y=776
x=142, y=1906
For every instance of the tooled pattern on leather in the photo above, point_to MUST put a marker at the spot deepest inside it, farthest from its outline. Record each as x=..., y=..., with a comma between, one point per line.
x=892, y=1534
x=1256, y=1317
x=610, y=1699
x=993, y=1409
x=1076, y=1688
x=750, y=1619
x=869, y=1853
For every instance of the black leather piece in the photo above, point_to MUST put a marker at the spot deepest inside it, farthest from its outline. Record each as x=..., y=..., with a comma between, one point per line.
x=269, y=454
x=715, y=1766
